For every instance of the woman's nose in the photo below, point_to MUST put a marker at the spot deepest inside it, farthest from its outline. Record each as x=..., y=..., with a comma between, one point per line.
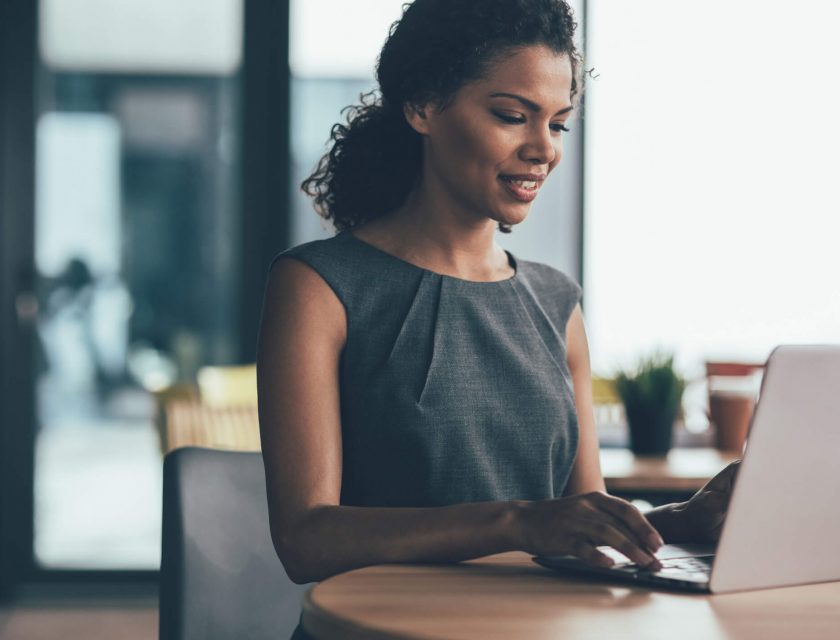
x=541, y=147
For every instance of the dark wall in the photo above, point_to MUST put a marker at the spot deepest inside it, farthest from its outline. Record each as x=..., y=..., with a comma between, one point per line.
x=266, y=199
x=17, y=54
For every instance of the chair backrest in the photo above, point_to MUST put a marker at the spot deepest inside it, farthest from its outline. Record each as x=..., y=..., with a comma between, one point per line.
x=220, y=576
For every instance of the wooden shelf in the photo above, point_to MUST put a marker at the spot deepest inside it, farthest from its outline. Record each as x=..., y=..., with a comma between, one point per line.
x=682, y=470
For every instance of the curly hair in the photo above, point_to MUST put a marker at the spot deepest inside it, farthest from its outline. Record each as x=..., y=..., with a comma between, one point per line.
x=374, y=160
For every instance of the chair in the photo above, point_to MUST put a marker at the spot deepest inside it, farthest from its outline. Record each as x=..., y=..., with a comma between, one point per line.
x=220, y=577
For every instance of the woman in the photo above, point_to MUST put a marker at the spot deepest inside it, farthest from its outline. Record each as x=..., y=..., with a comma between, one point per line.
x=424, y=395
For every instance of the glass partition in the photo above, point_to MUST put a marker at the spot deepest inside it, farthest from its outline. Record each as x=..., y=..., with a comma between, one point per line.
x=136, y=255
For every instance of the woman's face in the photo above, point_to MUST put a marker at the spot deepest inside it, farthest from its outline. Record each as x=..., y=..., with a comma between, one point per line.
x=487, y=154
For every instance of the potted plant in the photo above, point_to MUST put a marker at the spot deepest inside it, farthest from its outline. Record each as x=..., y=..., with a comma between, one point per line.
x=652, y=395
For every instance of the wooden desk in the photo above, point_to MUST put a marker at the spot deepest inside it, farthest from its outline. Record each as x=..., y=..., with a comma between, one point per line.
x=683, y=470
x=508, y=596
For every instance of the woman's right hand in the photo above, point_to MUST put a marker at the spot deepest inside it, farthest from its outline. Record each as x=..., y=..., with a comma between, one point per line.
x=576, y=525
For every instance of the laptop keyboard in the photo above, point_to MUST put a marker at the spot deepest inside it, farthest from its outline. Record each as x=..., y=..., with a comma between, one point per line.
x=698, y=565
x=694, y=568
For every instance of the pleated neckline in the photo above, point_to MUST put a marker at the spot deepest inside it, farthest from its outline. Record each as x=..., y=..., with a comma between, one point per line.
x=480, y=283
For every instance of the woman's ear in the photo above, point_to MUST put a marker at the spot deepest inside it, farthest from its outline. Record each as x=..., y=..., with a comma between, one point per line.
x=417, y=117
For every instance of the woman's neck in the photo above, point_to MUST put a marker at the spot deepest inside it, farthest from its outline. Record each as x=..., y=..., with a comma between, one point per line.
x=434, y=239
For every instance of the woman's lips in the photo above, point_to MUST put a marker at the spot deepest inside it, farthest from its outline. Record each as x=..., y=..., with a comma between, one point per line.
x=523, y=188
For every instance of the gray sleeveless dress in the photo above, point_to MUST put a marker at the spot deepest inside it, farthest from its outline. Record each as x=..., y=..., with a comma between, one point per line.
x=452, y=391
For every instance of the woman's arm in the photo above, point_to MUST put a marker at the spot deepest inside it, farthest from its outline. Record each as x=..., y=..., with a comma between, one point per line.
x=586, y=474
x=302, y=335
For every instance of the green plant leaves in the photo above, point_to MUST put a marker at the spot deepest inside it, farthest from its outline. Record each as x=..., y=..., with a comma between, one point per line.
x=654, y=383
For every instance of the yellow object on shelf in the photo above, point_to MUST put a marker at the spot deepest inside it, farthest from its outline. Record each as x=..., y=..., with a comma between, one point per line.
x=228, y=386
x=603, y=391
x=606, y=403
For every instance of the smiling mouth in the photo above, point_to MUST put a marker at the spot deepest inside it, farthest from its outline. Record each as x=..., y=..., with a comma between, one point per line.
x=522, y=188
x=528, y=185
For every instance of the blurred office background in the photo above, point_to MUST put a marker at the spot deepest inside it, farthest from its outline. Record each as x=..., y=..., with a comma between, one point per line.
x=152, y=151
x=144, y=190
x=136, y=254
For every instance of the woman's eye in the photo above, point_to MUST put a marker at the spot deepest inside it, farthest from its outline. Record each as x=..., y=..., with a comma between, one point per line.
x=510, y=119
x=556, y=127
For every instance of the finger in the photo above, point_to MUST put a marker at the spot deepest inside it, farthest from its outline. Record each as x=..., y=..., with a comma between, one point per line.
x=628, y=519
x=604, y=533
x=632, y=521
x=645, y=543
x=589, y=554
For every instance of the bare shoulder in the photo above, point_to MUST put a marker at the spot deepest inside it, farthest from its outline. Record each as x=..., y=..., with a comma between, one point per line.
x=298, y=300
x=302, y=334
x=577, y=345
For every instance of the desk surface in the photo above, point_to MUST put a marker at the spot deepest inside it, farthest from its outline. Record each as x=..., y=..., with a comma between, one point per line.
x=508, y=596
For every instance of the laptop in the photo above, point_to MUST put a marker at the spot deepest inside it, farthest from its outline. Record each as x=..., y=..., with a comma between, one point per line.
x=783, y=521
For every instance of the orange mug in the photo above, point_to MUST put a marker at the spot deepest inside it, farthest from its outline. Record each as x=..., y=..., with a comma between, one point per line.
x=733, y=389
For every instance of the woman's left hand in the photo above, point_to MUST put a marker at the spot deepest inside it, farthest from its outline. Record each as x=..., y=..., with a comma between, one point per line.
x=703, y=514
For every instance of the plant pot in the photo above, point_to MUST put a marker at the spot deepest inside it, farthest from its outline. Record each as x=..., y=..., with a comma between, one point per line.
x=651, y=429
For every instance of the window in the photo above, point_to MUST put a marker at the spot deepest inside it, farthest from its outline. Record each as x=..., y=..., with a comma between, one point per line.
x=712, y=209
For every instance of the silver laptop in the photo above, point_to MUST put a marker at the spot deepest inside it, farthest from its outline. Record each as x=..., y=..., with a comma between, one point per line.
x=783, y=521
